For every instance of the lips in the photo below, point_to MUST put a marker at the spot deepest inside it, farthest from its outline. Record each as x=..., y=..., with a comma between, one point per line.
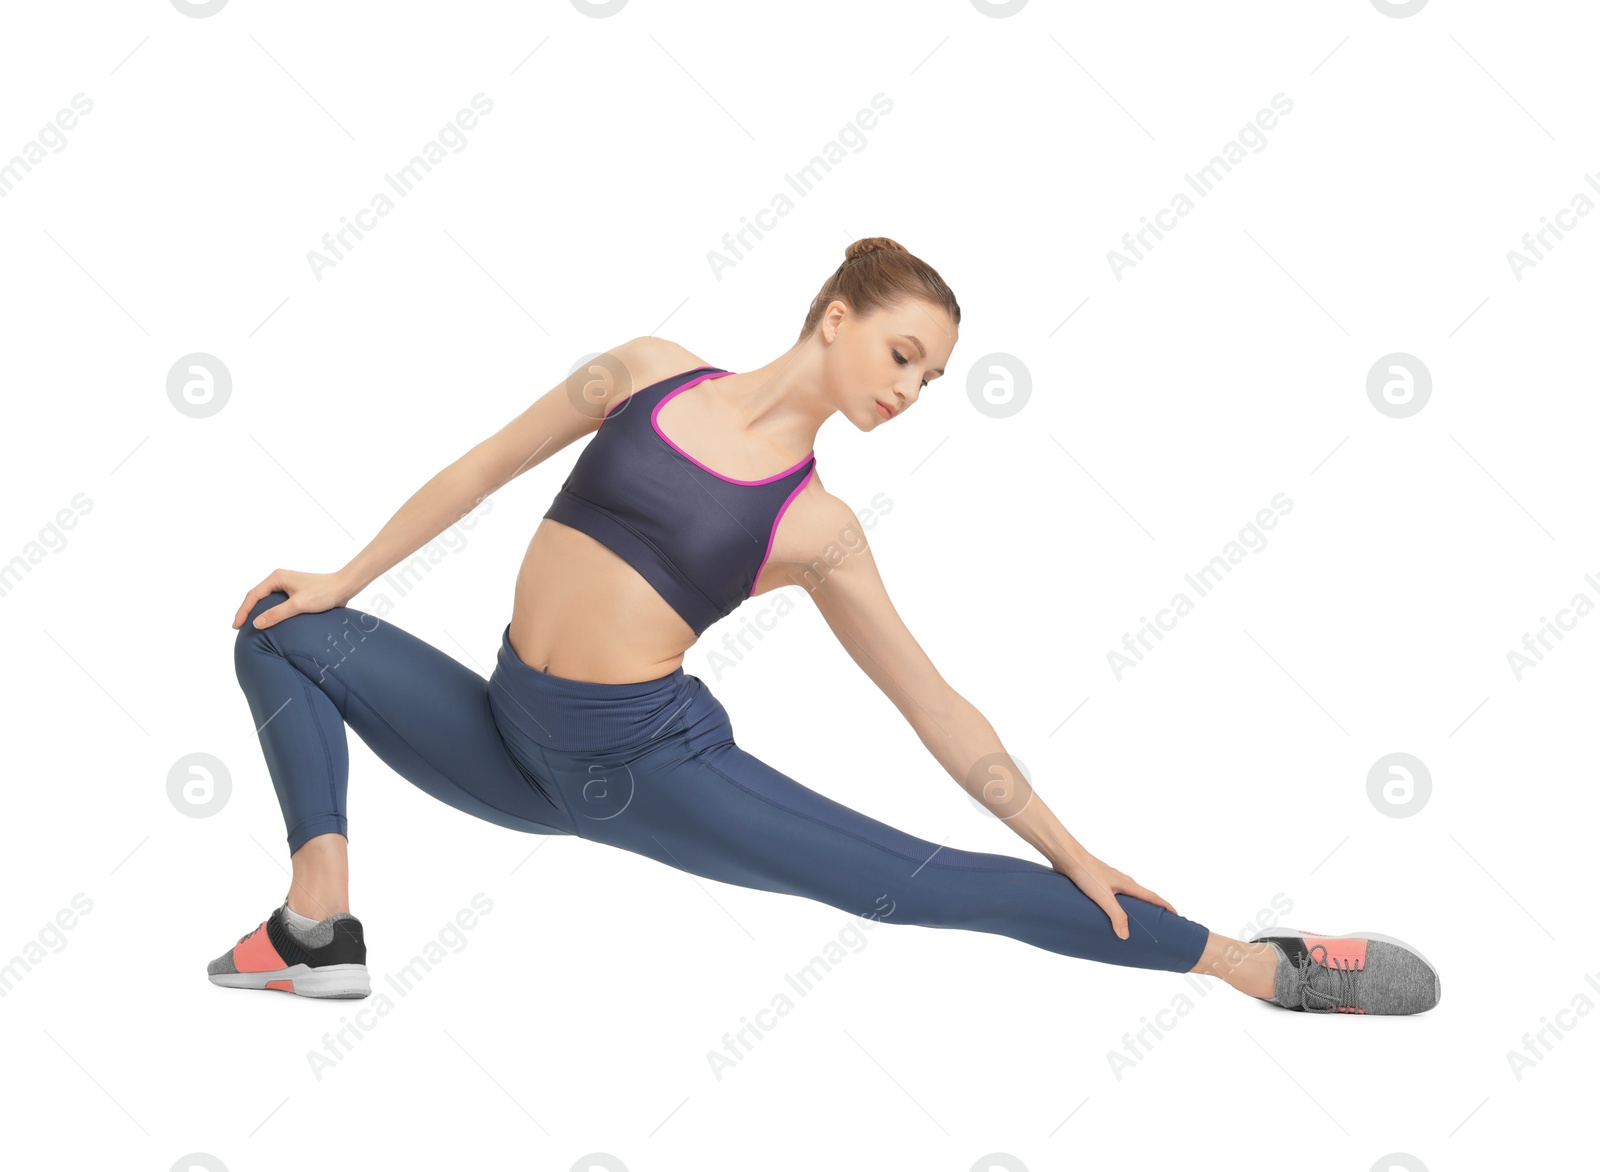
x=883, y=409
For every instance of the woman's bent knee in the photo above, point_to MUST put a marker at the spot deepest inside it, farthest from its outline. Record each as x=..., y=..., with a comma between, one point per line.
x=262, y=605
x=337, y=623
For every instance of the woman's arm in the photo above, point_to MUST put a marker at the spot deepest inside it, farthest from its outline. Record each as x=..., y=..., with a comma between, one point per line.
x=447, y=497
x=855, y=604
x=570, y=409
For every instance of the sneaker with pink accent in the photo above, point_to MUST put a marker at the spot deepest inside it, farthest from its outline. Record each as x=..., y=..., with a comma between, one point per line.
x=1362, y=972
x=327, y=960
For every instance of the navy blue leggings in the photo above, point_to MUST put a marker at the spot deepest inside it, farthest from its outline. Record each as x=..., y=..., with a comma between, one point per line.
x=647, y=767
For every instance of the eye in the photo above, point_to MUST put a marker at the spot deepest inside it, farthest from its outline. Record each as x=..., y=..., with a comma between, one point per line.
x=898, y=357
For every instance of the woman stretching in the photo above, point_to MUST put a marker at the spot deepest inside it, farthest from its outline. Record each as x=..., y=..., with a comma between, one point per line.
x=699, y=489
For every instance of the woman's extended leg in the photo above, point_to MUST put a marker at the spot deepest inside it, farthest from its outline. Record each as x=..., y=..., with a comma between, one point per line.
x=693, y=799
x=422, y=712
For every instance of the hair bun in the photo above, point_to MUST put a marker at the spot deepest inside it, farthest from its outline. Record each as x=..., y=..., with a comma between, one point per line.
x=868, y=244
x=897, y=277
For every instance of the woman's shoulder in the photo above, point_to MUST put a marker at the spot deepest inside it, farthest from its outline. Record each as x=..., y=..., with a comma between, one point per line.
x=652, y=359
x=643, y=362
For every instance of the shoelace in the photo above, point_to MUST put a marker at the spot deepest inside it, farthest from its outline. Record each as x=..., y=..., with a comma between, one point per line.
x=251, y=933
x=1341, y=997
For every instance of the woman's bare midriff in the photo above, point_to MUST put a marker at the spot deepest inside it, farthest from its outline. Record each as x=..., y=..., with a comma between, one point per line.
x=582, y=613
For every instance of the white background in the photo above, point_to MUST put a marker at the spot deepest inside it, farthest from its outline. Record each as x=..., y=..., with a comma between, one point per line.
x=1167, y=408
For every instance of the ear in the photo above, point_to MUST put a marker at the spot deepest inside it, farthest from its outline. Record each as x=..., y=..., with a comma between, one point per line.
x=831, y=317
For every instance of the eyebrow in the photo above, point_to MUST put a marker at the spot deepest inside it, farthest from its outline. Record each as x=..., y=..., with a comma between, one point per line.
x=922, y=351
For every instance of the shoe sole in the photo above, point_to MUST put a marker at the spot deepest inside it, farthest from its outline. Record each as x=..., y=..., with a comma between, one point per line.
x=1398, y=943
x=329, y=981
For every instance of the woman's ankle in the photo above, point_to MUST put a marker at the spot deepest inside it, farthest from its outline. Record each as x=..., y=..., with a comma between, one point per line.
x=316, y=902
x=1250, y=968
x=320, y=885
x=1257, y=976
x=313, y=909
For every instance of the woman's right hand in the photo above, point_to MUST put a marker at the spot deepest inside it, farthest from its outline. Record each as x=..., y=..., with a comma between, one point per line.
x=308, y=594
x=1101, y=882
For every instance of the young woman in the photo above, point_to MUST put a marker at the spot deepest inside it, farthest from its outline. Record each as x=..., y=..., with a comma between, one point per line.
x=699, y=489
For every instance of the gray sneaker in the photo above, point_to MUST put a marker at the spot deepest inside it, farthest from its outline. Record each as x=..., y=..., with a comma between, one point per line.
x=1359, y=973
x=329, y=960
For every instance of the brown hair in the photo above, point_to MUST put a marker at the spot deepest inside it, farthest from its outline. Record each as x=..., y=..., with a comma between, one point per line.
x=877, y=273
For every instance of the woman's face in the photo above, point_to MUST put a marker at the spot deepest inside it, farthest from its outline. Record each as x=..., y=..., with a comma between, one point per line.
x=878, y=365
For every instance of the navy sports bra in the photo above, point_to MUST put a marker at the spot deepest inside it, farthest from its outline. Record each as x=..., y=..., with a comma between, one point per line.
x=699, y=537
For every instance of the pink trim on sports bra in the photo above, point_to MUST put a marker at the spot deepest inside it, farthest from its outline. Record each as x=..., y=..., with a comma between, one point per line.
x=668, y=397
x=772, y=536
